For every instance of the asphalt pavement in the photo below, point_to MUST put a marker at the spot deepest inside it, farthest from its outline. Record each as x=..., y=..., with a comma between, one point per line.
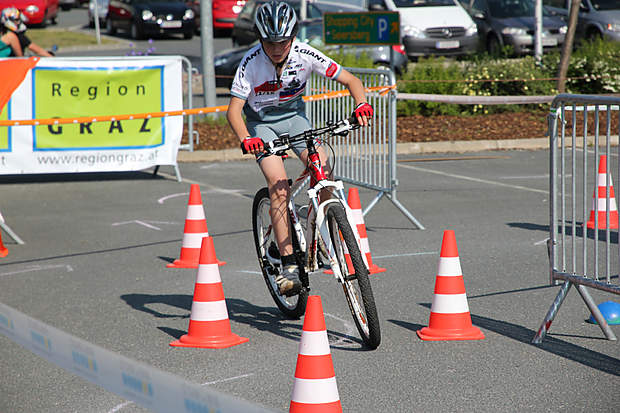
x=94, y=265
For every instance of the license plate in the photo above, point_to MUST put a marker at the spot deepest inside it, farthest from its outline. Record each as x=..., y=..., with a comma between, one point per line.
x=550, y=42
x=173, y=24
x=453, y=44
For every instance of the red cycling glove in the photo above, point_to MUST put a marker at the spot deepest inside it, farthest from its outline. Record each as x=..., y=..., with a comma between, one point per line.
x=251, y=144
x=363, y=109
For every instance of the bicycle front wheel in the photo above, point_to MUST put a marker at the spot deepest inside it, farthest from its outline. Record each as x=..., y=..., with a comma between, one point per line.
x=268, y=257
x=356, y=285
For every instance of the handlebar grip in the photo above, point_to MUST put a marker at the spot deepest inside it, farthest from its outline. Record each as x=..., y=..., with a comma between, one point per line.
x=353, y=120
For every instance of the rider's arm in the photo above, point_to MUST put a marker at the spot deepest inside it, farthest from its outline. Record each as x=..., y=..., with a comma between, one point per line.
x=356, y=87
x=38, y=50
x=235, y=119
x=248, y=143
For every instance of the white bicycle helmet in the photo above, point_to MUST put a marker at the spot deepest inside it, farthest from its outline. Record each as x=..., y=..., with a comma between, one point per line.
x=275, y=21
x=13, y=19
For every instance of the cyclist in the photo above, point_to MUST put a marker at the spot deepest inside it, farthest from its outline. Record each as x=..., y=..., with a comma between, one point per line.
x=13, y=21
x=268, y=88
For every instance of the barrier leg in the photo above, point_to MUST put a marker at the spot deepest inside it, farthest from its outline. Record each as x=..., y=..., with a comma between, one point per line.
x=13, y=235
x=596, y=313
x=404, y=210
x=553, y=310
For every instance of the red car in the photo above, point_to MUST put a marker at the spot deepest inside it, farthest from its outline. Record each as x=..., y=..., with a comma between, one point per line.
x=38, y=12
x=224, y=12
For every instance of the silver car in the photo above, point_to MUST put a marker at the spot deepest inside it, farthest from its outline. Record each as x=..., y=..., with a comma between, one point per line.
x=597, y=18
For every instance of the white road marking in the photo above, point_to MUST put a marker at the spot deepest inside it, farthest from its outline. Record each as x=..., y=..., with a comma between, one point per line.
x=546, y=176
x=228, y=379
x=250, y=272
x=541, y=242
x=37, y=268
x=218, y=190
x=145, y=223
x=350, y=331
x=234, y=192
x=469, y=178
x=404, y=255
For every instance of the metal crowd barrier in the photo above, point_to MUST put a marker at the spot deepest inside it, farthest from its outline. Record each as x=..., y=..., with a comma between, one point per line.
x=367, y=157
x=579, y=255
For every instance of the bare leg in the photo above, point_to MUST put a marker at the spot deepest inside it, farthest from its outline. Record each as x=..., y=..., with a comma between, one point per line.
x=277, y=182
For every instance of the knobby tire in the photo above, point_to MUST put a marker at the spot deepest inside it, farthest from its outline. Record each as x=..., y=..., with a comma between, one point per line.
x=292, y=307
x=340, y=231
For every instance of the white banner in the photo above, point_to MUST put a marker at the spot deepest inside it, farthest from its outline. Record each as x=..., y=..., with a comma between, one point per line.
x=149, y=387
x=65, y=88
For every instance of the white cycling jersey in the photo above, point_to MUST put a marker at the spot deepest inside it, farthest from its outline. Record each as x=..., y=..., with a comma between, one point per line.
x=269, y=98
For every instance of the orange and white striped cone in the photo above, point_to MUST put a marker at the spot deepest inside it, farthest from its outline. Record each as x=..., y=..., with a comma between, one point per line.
x=315, y=388
x=209, y=326
x=601, y=199
x=3, y=250
x=193, y=233
x=450, y=318
x=356, y=208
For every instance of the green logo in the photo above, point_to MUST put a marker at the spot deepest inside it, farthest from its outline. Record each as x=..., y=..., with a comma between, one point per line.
x=77, y=92
x=5, y=130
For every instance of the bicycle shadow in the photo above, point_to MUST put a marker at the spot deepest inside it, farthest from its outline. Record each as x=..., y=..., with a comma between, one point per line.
x=267, y=319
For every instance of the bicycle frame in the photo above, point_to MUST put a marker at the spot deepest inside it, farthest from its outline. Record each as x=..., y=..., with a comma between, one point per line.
x=317, y=228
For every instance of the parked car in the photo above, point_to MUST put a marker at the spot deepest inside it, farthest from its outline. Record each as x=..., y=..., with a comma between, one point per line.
x=511, y=23
x=243, y=29
x=142, y=17
x=38, y=12
x=102, y=10
x=433, y=27
x=311, y=32
x=68, y=4
x=597, y=18
x=224, y=13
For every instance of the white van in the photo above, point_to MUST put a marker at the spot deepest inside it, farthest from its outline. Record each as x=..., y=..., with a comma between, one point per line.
x=435, y=27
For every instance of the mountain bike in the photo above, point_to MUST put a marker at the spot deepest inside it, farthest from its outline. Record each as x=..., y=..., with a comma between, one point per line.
x=328, y=238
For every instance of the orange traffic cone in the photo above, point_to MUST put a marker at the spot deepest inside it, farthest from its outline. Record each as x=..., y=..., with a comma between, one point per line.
x=601, y=199
x=3, y=250
x=315, y=388
x=356, y=206
x=450, y=318
x=209, y=326
x=195, y=230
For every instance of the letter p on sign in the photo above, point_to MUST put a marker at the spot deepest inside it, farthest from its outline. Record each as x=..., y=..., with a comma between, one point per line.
x=383, y=32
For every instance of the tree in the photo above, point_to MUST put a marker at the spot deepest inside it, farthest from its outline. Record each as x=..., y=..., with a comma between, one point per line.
x=567, y=47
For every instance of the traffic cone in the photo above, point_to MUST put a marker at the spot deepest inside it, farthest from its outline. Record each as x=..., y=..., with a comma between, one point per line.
x=602, y=199
x=3, y=250
x=209, y=326
x=195, y=230
x=450, y=318
x=315, y=388
x=356, y=207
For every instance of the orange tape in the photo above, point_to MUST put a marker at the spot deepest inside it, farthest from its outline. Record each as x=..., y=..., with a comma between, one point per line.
x=184, y=112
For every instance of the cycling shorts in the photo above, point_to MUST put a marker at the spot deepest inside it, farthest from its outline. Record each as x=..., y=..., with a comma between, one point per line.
x=269, y=131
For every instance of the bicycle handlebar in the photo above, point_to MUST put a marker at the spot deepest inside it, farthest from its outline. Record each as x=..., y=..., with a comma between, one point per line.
x=285, y=142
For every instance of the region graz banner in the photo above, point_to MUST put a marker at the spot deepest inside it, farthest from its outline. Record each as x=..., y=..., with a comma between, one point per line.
x=66, y=88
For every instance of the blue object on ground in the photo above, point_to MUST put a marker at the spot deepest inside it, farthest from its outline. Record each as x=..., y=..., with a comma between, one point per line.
x=610, y=311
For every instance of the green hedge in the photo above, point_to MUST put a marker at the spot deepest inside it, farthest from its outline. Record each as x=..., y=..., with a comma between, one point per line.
x=594, y=65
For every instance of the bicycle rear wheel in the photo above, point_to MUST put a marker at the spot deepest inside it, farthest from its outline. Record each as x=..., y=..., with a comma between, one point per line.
x=265, y=242
x=356, y=286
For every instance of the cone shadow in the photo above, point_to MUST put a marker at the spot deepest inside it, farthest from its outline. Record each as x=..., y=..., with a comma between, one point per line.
x=407, y=325
x=551, y=344
x=568, y=230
